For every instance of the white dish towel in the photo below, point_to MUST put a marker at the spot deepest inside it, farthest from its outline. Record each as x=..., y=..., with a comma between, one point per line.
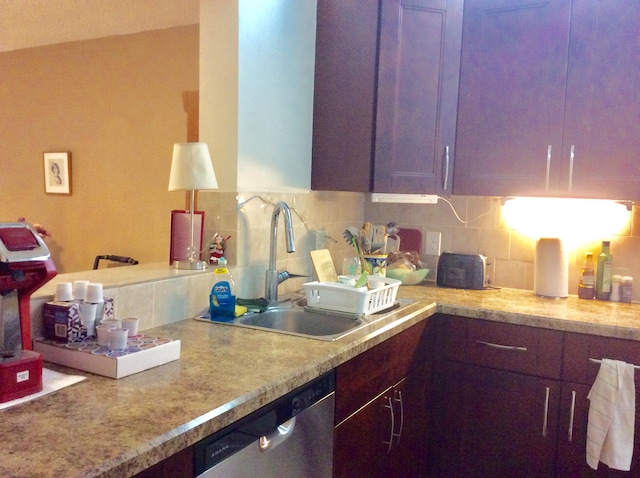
x=612, y=416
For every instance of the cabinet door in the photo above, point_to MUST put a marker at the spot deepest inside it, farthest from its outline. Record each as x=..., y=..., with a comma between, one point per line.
x=602, y=122
x=358, y=442
x=344, y=95
x=511, y=102
x=417, y=95
x=407, y=457
x=572, y=437
x=497, y=424
x=579, y=373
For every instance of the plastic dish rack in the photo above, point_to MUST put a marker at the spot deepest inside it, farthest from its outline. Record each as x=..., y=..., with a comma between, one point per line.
x=341, y=298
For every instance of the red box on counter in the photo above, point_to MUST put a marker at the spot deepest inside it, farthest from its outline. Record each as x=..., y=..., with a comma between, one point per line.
x=20, y=374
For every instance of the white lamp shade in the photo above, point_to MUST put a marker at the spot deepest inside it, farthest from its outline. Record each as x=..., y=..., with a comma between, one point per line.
x=191, y=168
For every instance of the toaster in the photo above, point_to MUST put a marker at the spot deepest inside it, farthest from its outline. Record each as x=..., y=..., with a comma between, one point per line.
x=462, y=271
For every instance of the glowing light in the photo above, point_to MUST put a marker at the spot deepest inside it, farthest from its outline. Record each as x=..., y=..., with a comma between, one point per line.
x=573, y=220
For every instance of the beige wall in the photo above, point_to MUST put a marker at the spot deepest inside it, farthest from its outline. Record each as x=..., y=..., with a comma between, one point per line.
x=116, y=105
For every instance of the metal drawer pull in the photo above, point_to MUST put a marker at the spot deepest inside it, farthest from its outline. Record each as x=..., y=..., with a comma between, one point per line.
x=573, y=408
x=572, y=156
x=445, y=183
x=393, y=425
x=546, y=413
x=592, y=360
x=548, y=167
x=502, y=347
x=399, y=434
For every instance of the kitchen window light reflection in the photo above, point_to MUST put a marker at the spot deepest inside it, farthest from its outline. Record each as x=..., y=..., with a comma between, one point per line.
x=574, y=220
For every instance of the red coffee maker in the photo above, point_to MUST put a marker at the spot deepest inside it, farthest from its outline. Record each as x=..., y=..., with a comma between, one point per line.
x=25, y=266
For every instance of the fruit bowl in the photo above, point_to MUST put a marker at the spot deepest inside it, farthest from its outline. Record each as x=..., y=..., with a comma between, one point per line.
x=408, y=277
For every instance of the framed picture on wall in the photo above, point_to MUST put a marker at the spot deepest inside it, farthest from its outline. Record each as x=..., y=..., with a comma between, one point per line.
x=57, y=173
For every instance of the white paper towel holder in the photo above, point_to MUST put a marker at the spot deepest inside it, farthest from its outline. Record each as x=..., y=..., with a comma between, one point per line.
x=551, y=269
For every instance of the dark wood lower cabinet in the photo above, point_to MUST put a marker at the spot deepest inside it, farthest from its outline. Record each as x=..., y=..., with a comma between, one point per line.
x=520, y=407
x=579, y=373
x=388, y=436
x=382, y=398
x=496, y=424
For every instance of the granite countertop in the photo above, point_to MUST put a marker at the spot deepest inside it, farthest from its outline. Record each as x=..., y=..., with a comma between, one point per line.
x=105, y=427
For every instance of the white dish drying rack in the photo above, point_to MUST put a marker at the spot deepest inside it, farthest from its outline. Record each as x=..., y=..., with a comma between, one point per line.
x=338, y=297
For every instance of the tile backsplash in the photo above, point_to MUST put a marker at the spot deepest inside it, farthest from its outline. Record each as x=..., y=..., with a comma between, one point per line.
x=510, y=255
x=319, y=219
x=467, y=224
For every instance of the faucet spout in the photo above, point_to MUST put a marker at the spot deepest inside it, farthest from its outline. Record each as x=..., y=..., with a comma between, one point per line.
x=272, y=278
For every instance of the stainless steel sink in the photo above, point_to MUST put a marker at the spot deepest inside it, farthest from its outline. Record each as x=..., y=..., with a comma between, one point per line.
x=299, y=320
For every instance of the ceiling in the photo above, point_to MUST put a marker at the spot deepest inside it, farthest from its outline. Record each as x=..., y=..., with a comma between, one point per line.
x=31, y=23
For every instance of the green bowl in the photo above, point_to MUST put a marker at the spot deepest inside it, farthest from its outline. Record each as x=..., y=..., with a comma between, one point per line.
x=408, y=277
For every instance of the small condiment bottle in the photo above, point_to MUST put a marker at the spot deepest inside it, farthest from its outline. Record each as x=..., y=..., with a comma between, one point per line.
x=616, y=281
x=626, y=289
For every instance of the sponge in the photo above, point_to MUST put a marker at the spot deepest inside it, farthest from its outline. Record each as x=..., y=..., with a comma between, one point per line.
x=240, y=310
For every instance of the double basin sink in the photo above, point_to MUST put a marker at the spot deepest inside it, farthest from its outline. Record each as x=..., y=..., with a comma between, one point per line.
x=294, y=318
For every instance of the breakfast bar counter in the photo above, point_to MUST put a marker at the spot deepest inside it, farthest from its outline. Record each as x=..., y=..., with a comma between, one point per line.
x=103, y=427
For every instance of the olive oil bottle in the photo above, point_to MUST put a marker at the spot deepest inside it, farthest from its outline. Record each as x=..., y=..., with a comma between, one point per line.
x=603, y=277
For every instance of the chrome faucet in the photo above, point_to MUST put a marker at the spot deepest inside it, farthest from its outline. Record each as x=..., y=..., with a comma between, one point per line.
x=274, y=278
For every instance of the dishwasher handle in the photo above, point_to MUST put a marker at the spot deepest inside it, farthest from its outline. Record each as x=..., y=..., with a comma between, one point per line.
x=271, y=441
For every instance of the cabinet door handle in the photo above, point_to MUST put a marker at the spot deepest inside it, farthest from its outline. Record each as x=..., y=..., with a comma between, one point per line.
x=571, y=414
x=546, y=414
x=572, y=156
x=389, y=405
x=445, y=180
x=502, y=347
x=400, y=428
x=548, y=167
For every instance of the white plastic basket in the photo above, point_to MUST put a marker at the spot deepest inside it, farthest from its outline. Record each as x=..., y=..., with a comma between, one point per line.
x=341, y=298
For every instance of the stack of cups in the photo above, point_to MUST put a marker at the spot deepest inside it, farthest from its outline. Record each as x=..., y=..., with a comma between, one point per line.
x=95, y=296
x=91, y=302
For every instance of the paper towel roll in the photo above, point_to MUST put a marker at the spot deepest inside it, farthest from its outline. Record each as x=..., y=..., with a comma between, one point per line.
x=551, y=268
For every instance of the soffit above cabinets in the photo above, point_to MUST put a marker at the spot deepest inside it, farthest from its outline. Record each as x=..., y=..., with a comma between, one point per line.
x=32, y=23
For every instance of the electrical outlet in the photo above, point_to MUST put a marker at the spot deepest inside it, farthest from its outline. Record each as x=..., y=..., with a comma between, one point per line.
x=433, y=243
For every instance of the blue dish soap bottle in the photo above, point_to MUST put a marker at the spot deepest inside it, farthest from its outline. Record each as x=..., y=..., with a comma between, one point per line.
x=222, y=300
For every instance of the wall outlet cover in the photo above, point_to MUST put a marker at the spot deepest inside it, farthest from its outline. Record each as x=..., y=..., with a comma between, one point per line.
x=432, y=246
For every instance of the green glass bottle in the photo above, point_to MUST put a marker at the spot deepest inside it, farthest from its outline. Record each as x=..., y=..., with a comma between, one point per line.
x=603, y=277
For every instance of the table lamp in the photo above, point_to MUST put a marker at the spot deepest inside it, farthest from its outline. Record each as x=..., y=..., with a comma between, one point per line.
x=191, y=170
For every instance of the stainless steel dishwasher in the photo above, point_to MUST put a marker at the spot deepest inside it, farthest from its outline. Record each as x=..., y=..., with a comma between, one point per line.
x=291, y=437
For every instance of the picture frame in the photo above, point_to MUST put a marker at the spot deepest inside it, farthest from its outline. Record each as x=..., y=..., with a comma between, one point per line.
x=57, y=172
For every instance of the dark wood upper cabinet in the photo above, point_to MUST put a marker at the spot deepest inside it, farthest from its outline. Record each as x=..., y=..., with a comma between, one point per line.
x=603, y=100
x=549, y=99
x=417, y=96
x=344, y=95
x=384, y=120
